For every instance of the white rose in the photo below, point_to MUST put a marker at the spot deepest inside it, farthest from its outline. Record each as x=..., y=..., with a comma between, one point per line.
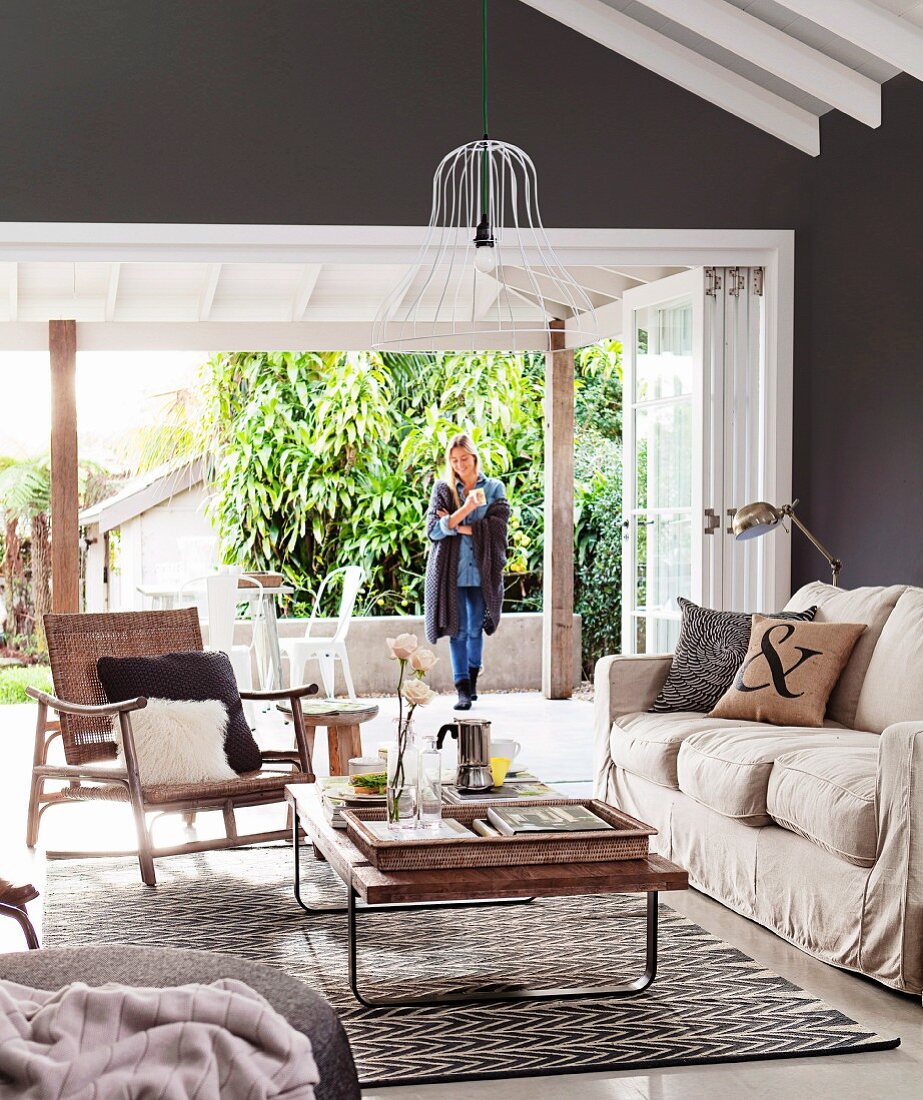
x=417, y=693
x=423, y=660
x=402, y=646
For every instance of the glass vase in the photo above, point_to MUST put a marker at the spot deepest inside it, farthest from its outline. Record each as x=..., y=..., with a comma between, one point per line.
x=403, y=765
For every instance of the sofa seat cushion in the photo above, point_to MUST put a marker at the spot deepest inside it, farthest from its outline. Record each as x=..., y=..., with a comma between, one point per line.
x=647, y=744
x=827, y=795
x=728, y=769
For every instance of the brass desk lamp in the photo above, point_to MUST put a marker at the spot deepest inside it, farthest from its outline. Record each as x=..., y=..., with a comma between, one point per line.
x=756, y=519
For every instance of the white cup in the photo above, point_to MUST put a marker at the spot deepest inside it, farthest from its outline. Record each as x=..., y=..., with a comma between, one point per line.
x=505, y=748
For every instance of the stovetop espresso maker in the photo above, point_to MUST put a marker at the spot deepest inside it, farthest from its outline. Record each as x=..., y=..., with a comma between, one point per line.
x=473, y=735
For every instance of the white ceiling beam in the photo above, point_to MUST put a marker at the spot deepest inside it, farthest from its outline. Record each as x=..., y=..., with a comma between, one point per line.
x=688, y=69
x=777, y=52
x=600, y=280
x=310, y=273
x=112, y=290
x=869, y=26
x=255, y=336
x=207, y=294
x=11, y=271
x=645, y=274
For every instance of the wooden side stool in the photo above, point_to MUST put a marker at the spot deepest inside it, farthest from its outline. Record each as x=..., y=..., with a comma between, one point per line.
x=344, y=740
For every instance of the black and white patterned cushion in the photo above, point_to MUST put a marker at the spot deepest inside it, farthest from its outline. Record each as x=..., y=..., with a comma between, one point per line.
x=711, y=648
x=195, y=676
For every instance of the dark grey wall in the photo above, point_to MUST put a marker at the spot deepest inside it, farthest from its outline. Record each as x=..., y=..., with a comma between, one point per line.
x=336, y=112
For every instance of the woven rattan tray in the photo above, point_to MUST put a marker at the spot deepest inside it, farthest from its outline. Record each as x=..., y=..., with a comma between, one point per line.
x=627, y=840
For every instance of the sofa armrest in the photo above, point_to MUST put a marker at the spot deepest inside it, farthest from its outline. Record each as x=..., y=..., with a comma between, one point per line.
x=893, y=930
x=623, y=684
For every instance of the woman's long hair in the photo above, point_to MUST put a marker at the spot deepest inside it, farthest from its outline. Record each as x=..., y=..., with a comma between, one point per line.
x=466, y=443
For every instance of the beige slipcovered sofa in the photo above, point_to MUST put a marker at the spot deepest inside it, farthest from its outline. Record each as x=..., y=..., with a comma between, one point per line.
x=816, y=834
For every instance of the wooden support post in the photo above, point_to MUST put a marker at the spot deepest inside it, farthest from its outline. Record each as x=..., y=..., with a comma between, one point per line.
x=65, y=551
x=558, y=598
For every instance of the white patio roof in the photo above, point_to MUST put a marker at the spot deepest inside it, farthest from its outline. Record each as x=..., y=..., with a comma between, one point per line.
x=265, y=288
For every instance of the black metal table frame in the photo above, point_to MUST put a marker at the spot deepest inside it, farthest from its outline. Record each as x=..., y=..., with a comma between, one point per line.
x=354, y=904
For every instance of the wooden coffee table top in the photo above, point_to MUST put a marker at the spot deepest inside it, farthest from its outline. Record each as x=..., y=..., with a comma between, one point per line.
x=462, y=884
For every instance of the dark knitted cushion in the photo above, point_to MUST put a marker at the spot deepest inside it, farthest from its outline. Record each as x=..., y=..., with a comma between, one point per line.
x=711, y=648
x=194, y=675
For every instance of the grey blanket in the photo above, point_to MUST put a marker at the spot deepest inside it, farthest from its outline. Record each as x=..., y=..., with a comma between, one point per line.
x=490, y=541
x=193, y=1042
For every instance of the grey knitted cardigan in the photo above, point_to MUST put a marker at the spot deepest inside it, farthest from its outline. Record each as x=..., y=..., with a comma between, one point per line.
x=441, y=594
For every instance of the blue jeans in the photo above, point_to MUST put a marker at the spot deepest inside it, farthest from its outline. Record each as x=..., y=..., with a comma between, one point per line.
x=467, y=644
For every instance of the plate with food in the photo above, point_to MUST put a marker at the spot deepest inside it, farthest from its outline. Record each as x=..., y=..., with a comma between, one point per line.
x=368, y=788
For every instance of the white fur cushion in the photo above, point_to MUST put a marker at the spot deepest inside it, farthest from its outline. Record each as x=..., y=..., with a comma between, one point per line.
x=179, y=741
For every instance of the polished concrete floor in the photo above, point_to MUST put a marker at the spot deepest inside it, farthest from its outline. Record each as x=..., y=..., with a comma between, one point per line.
x=557, y=744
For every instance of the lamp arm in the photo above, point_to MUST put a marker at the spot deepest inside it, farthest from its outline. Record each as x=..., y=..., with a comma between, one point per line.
x=835, y=564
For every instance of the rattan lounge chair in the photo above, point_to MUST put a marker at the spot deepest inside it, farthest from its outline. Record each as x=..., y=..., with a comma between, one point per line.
x=84, y=723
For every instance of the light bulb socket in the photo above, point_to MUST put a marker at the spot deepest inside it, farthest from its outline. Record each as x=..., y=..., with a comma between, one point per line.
x=483, y=236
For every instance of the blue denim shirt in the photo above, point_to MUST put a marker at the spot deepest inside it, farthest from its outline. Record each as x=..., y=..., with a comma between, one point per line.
x=468, y=573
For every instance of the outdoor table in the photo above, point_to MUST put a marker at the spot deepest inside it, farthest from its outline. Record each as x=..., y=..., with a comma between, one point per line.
x=265, y=620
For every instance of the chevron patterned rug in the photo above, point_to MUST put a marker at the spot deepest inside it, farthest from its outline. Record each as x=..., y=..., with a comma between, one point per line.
x=710, y=1002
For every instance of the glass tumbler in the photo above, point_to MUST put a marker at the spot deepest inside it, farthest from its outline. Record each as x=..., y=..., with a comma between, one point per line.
x=429, y=795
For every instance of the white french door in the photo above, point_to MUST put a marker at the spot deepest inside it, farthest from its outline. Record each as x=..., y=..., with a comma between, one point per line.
x=663, y=356
x=692, y=361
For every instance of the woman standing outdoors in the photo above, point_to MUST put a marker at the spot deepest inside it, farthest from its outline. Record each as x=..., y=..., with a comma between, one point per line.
x=467, y=524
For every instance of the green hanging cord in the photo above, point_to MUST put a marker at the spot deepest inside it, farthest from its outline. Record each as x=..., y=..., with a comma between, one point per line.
x=484, y=62
x=485, y=166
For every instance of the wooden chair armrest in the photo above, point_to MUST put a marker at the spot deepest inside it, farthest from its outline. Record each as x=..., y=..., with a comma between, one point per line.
x=298, y=692
x=105, y=710
x=96, y=772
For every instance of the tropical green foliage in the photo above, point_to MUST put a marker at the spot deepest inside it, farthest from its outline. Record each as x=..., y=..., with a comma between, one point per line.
x=14, y=681
x=25, y=503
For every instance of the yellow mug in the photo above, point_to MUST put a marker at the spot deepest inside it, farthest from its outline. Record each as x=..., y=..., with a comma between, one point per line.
x=499, y=766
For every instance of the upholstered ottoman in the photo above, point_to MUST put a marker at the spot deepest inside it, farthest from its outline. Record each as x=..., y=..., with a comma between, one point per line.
x=157, y=967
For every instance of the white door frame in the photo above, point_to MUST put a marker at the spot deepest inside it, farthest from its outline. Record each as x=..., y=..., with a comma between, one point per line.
x=772, y=249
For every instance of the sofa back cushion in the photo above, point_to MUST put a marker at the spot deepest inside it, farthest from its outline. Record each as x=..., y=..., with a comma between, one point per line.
x=893, y=687
x=871, y=606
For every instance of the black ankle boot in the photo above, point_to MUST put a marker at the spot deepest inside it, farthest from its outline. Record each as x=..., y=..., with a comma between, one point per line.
x=473, y=677
x=463, y=687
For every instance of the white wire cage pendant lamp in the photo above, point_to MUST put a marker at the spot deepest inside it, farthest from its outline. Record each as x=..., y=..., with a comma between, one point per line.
x=486, y=275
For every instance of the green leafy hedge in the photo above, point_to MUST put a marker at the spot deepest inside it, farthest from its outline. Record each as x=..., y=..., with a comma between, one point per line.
x=14, y=681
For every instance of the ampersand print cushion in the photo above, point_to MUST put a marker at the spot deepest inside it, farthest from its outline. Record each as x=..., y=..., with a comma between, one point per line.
x=789, y=672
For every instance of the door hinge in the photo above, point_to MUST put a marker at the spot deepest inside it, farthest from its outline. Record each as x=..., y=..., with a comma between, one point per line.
x=712, y=522
x=758, y=282
x=712, y=281
x=732, y=512
x=737, y=281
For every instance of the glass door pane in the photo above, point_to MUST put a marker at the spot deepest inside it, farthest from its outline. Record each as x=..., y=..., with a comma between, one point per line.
x=662, y=460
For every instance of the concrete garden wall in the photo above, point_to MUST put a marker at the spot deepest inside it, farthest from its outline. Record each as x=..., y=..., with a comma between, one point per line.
x=512, y=657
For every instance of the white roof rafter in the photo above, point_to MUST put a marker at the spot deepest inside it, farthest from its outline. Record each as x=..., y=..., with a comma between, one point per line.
x=879, y=32
x=777, y=52
x=688, y=69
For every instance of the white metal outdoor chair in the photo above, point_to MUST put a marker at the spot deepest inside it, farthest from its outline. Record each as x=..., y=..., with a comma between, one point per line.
x=218, y=611
x=327, y=650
